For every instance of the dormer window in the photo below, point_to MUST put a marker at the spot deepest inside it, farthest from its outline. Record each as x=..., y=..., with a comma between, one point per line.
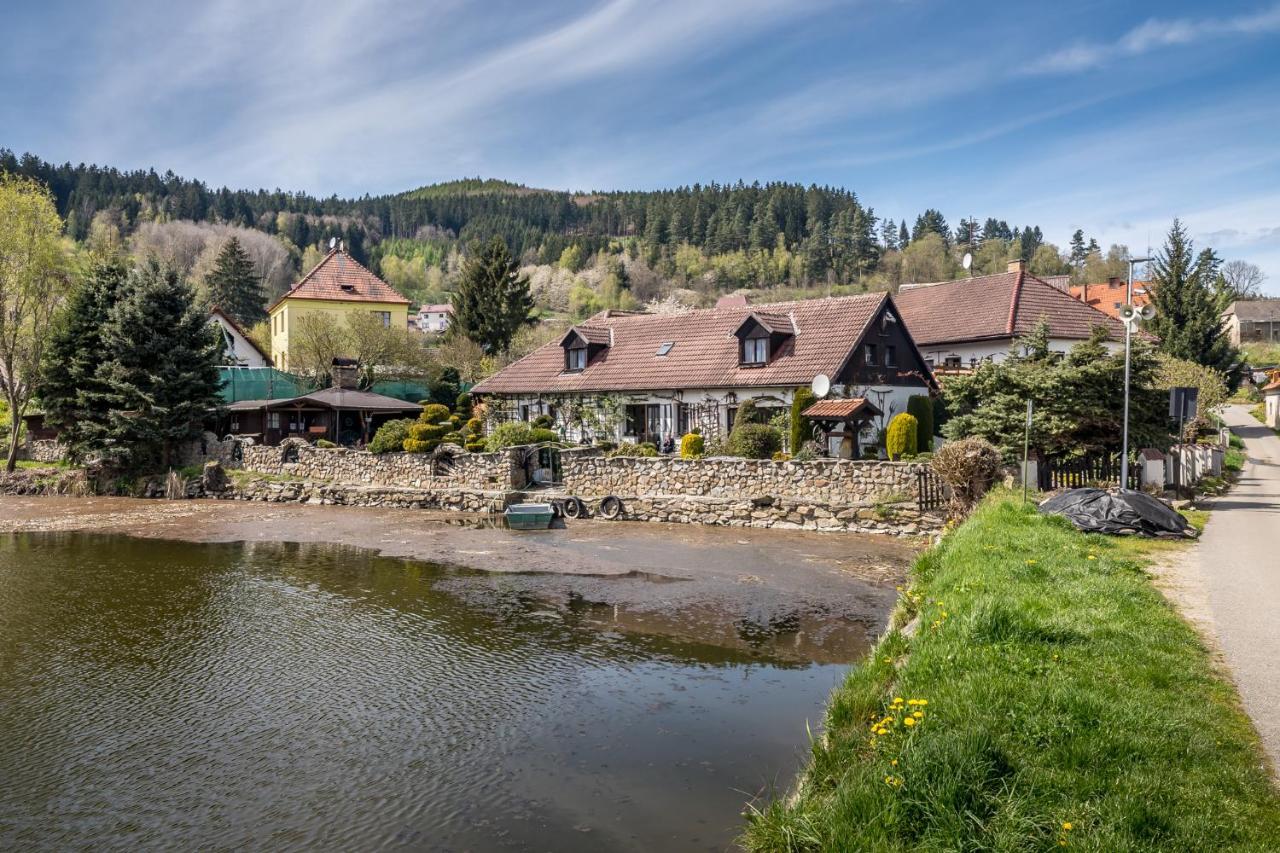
x=763, y=336
x=582, y=344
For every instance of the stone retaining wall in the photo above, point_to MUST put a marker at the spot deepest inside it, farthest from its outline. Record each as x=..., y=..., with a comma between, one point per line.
x=338, y=494
x=44, y=450
x=500, y=471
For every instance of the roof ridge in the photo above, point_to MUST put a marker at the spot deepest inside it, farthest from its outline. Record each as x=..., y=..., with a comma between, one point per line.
x=1013, y=303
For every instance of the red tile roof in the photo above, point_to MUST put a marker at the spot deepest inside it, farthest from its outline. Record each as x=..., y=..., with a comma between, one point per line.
x=590, y=334
x=340, y=277
x=1107, y=296
x=994, y=307
x=839, y=409
x=774, y=321
x=705, y=351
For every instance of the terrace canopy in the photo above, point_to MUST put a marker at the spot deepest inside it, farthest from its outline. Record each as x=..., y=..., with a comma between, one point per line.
x=342, y=415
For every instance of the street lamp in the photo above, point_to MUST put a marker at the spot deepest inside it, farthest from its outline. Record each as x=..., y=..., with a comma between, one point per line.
x=1130, y=322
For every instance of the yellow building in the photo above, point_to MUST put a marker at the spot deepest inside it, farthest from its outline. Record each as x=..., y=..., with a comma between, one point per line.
x=340, y=287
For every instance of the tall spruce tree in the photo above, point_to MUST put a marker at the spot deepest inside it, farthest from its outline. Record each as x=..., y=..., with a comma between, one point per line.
x=492, y=301
x=904, y=236
x=931, y=222
x=1078, y=251
x=75, y=397
x=235, y=286
x=1188, y=307
x=163, y=368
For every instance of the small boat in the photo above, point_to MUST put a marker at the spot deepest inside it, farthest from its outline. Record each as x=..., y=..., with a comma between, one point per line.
x=529, y=516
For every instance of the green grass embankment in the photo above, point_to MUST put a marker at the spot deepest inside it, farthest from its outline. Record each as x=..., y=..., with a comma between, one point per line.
x=1050, y=698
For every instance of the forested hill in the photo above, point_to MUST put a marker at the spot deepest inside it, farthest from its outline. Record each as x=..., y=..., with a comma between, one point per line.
x=714, y=236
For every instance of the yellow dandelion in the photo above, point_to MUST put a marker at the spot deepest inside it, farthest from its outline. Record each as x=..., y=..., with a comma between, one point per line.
x=909, y=721
x=894, y=763
x=897, y=700
x=1067, y=826
x=1091, y=557
x=918, y=715
x=923, y=702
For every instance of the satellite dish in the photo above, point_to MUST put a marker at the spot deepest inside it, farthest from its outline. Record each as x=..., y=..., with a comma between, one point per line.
x=821, y=385
x=967, y=260
x=1148, y=312
x=333, y=241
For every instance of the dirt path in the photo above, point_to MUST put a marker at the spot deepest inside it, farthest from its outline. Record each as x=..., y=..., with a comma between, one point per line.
x=1235, y=573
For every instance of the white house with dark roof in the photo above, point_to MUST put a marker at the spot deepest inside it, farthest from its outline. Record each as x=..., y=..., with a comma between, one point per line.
x=959, y=323
x=643, y=377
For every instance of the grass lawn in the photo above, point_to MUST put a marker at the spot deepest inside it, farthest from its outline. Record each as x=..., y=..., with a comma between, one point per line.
x=1050, y=698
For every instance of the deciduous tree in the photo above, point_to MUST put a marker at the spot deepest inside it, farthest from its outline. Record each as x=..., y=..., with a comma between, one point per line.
x=32, y=283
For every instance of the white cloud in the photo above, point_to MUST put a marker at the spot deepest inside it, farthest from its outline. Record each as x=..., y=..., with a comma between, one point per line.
x=1154, y=34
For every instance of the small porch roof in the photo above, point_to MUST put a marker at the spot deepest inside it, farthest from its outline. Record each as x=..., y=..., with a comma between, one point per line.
x=331, y=398
x=841, y=410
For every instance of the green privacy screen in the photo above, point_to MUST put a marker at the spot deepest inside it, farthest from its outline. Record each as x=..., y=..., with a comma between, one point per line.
x=267, y=383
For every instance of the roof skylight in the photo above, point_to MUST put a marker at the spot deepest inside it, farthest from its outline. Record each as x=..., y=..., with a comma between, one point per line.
x=665, y=347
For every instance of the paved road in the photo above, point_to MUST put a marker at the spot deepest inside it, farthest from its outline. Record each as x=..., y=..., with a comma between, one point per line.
x=1239, y=557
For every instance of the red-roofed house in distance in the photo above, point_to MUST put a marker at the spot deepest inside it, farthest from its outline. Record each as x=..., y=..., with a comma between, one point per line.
x=958, y=324
x=628, y=376
x=1109, y=296
x=339, y=287
x=434, y=318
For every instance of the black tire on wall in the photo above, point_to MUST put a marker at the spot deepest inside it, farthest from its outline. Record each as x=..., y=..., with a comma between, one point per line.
x=610, y=508
x=574, y=508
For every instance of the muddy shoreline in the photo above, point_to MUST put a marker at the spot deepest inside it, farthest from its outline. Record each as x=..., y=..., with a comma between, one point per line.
x=829, y=594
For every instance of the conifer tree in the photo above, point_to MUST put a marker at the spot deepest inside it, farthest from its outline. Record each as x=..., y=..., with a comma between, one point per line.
x=234, y=285
x=492, y=300
x=74, y=395
x=163, y=368
x=904, y=236
x=1188, y=318
x=888, y=235
x=931, y=221
x=1078, y=250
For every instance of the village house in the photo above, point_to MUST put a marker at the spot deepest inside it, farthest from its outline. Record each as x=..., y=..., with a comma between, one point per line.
x=1109, y=296
x=1271, y=402
x=238, y=349
x=434, y=318
x=1253, y=321
x=957, y=324
x=338, y=287
x=629, y=376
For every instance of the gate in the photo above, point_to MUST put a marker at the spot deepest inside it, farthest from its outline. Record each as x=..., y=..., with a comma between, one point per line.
x=931, y=491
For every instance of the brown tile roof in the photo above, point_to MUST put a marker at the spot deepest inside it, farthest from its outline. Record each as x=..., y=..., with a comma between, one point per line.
x=340, y=277
x=705, y=354
x=590, y=334
x=994, y=307
x=1107, y=296
x=839, y=409
x=774, y=321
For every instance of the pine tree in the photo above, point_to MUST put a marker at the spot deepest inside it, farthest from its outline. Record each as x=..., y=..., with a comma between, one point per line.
x=74, y=396
x=1188, y=308
x=888, y=235
x=492, y=301
x=234, y=286
x=931, y=221
x=162, y=374
x=1078, y=250
x=904, y=236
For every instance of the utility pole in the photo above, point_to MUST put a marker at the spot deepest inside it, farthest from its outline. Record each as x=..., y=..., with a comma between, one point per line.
x=1128, y=348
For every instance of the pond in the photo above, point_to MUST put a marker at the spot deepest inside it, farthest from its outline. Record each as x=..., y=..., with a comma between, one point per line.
x=166, y=695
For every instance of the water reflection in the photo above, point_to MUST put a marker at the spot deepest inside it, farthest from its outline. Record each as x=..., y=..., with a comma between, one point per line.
x=161, y=695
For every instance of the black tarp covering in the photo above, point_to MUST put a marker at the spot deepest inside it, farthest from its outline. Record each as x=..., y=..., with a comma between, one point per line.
x=1120, y=512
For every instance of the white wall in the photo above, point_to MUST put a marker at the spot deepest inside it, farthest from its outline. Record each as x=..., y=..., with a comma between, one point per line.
x=239, y=347
x=997, y=350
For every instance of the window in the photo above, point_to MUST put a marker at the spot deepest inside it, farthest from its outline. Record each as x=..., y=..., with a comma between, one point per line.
x=665, y=347
x=577, y=358
x=870, y=355
x=636, y=420
x=890, y=356
x=273, y=420
x=385, y=317
x=755, y=351
x=952, y=362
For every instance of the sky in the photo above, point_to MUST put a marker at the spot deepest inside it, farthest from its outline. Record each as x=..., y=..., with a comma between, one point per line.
x=1112, y=117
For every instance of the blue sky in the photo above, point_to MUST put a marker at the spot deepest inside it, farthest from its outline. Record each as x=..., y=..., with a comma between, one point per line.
x=1108, y=116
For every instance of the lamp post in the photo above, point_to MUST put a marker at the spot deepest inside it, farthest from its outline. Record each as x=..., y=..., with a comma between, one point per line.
x=1128, y=346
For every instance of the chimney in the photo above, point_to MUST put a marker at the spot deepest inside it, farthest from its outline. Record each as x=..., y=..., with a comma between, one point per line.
x=345, y=373
x=1018, y=265
x=1115, y=281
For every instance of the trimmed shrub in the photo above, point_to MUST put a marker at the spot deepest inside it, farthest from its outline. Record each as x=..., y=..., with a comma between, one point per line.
x=754, y=441
x=516, y=433
x=692, y=446
x=425, y=437
x=463, y=405
x=645, y=450
x=920, y=407
x=801, y=428
x=900, y=437
x=969, y=466
x=544, y=422
x=390, y=436
x=474, y=447
x=434, y=413
x=325, y=444
x=748, y=413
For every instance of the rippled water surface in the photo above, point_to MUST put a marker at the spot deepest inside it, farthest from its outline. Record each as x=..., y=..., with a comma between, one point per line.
x=158, y=695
